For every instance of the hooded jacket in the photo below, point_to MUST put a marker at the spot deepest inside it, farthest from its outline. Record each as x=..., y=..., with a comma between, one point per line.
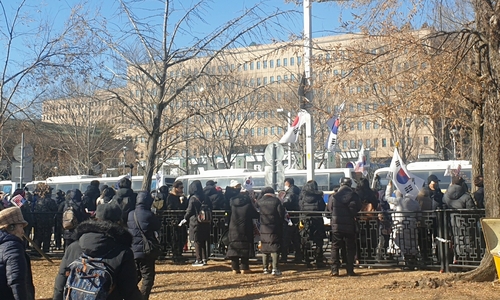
x=75, y=201
x=126, y=198
x=90, y=197
x=112, y=242
x=16, y=282
x=272, y=214
x=344, y=206
x=311, y=199
x=406, y=205
x=214, y=196
x=241, y=226
x=456, y=198
x=148, y=222
x=198, y=232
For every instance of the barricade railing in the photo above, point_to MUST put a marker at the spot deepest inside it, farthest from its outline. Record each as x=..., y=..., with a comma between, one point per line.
x=441, y=239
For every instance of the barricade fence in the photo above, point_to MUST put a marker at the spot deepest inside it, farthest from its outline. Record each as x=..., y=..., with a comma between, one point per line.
x=441, y=239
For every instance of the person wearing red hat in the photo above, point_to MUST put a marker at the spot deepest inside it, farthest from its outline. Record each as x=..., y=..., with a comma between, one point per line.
x=16, y=280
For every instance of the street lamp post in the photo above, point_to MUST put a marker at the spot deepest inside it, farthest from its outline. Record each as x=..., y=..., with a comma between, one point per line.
x=288, y=120
x=454, y=133
x=124, y=149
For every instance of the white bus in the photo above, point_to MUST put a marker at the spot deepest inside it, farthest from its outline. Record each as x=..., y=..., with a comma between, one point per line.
x=81, y=182
x=424, y=169
x=8, y=187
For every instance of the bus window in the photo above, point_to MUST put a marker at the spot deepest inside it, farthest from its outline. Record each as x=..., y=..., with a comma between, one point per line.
x=335, y=180
x=322, y=181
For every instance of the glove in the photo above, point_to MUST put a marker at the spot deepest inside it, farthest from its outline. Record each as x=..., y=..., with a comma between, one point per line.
x=182, y=222
x=290, y=223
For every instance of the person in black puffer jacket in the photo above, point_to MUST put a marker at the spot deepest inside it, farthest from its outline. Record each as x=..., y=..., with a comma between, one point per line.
x=344, y=206
x=91, y=195
x=241, y=232
x=74, y=200
x=16, y=280
x=104, y=238
x=291, y=235
x=45, y=211
x=479, y=193
x=311, y=199
x=125, y=197
x=214, y=195
x=456, y=197
x=199, y=232
x=149, y=225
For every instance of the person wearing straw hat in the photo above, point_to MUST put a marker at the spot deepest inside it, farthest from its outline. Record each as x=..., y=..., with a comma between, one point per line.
x=16, y=280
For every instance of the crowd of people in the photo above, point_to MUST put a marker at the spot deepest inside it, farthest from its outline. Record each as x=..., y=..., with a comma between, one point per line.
x=120, y=227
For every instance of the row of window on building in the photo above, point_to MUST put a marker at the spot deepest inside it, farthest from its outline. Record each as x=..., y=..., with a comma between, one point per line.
x=353, y=144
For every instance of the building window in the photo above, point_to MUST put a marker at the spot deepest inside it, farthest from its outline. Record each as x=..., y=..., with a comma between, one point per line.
x=252, y=132
x=265, y=131
x=285, y=78
x=368, y=143
x=351, y=107
x=245, y=67
x=299, y=60
x=358, y=107
x=271, y=79
x=375, y=125
x=426, y=140
x=259, y=81
x=265, y=80
x=292, y=61
x=251, y=65
x=278, y=63
x=344, y=144
x=280, y=130
x=272, y=130
x=384, y=143
x=360, y=125
x=360, y=143
x=352, y=144
x=278, y=78
x=258, y=65
x=392, y=142
x=271, y=64
x=367, y=107
x=351, y=126
x=367, y=125
x=375, y=143
x=285, y=62
x=292, y=77
x=264, y=64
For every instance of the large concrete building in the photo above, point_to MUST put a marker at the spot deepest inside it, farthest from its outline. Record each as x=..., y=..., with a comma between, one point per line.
x=251, y=106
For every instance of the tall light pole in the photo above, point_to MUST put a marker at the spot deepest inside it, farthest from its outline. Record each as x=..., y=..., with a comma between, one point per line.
x=309, y=93
x=288, y=121
x=454, y=133
x=124, y=159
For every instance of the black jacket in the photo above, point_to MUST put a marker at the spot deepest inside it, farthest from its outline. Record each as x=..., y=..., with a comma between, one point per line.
x=272, y=215
x=216, y=197
x=479, y=197
x=241, y=226
x=456, y=198
x=311, y=199
x=16, y=282
x=344, y=206
x=90, y=197
x=112, y=242
x=148, y=222
x=436, y=195
x=75, y=201
x=46, y=209
x=126, y=198
x=291, y=199
x=198, y=232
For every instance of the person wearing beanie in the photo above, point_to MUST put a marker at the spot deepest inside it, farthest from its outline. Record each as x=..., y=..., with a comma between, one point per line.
x=143, y=222
x=16, y=280
x=456, y=196
x=125, y=197
x=434, y=191
x=479, y=193
x=106, y=239
x=272, y=214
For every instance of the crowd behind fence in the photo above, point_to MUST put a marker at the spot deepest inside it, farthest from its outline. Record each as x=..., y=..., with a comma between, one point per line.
x=440, y=239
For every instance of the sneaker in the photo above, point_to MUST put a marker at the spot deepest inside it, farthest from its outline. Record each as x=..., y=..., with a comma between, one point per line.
x=204, y=262
x=334, y=272
x=198, y=263
x=266, y=271
x=276, y=272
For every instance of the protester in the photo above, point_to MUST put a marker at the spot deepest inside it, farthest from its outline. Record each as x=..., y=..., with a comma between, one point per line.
x=311, y=199
x=479, y=193
x=74, y=202
x=241, y=235
x=214, y=195
x=178, y=234
x=272, y=214
x=16, y=281
x=344, y=205
x=45, y=210
x=107, y=194
x=456, y=197
x=199, y=232
x=434, y=191
x=90, y=196
x=291, y=234
x=125, y=197
x=142, y=221
x=58, y=229
x=106, y=239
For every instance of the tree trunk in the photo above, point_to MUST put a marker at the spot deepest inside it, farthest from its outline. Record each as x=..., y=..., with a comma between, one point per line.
x=485, y=271
x=477, y=141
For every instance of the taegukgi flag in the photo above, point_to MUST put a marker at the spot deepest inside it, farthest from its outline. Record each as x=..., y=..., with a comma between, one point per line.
x=361, y=163
x=403, y=180
x=333, y=124
x=292, y=133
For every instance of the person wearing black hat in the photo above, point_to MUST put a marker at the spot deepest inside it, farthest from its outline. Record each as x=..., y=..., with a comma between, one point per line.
x=104, y=238
x=214, y=195
x=434, y=191
x=456, y=195
x=344, y=205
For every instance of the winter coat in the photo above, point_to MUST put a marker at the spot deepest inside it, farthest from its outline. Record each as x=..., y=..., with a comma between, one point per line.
x=479, y=197
x=90, y=197
x=214, y=196
x=16, y=281
x=126, y=198
x=311, y=199
x=366, y=194
x=425, y=201
x=146, y=219
x=229, y=193
x=160, y=200
x=344, y=206
x=291, y=199
x=112, y=242
x=436, y=195
x=45, y=209
x=456, y=198
x=198, y=232
x=241, y=226
x=174, y=202
x=406, y=205
x=76, y=203
x=272, y=214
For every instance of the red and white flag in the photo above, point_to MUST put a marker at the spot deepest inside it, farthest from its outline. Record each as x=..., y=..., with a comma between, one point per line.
x=361, y=163
x=292, y=133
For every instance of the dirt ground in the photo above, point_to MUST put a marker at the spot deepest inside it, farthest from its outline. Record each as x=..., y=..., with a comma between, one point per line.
x=216, y=281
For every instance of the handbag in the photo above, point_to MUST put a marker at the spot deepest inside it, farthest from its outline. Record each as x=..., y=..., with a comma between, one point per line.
x=149, y=247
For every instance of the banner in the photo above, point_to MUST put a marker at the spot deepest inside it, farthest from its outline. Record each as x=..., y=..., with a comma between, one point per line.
x=403, y=180
x=292, y=134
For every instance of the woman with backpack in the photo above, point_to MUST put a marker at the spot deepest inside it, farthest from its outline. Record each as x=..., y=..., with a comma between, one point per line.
x=107, y=242
x=199, y=215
